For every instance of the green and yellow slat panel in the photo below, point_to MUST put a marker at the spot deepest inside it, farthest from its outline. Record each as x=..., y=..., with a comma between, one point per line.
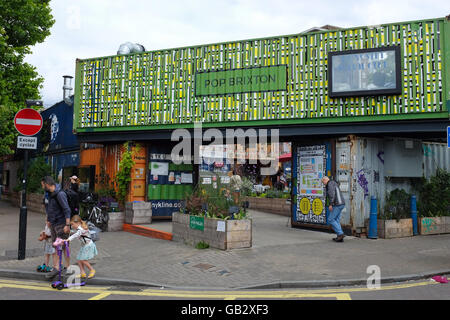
x=158, y=87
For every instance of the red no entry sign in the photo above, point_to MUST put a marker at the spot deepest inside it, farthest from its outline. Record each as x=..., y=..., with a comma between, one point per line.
x=28, y=122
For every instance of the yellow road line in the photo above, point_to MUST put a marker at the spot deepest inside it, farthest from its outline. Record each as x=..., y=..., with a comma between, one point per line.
x=312, y=291
x=45, y=285
x=100, y=296
x=340, y=294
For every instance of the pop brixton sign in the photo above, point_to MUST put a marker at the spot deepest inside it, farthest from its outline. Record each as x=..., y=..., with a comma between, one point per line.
x=259, y=79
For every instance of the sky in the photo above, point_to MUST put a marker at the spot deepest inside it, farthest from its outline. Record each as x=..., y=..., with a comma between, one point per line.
x=96, y=28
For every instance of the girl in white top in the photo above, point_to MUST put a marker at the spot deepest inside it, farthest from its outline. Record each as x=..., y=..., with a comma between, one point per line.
x=88, y=249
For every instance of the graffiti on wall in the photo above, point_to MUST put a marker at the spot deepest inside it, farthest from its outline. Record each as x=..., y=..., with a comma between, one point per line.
x=362, y=181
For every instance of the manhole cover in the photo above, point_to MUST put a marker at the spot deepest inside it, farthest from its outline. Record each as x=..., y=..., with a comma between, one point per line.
x=204, y=266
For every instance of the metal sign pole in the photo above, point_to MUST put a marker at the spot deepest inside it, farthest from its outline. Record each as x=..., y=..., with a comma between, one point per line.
x=23, y=212
x=23, y=207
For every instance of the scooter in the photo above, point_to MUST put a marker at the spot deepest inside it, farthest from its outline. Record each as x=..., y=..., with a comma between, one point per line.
x=60, y=284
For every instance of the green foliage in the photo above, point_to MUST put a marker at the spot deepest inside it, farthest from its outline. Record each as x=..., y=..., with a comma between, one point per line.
x=434, y=195
x=211, y=202
x=37, y=169
x=397, y=205
x=23, y=23
x=246, y=187
x=123, y=177
x=202, y=245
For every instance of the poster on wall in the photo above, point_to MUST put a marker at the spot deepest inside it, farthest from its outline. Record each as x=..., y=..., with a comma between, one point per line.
x=311, y=165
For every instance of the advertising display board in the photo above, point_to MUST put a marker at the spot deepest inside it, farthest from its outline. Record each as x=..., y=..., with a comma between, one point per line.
x=311, y=164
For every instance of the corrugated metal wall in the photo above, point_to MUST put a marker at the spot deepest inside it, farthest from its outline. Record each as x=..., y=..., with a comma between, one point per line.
x=367, y=171
x=435, y=155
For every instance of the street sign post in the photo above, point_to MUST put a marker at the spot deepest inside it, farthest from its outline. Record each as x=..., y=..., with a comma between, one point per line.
x=27, y=122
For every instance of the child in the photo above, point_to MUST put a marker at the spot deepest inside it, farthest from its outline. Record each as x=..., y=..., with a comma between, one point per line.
x=88, y=249
x=46, y=236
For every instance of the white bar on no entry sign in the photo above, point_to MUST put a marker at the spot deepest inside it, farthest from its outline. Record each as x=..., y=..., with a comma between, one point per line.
x=26, y=142
x=31, y=122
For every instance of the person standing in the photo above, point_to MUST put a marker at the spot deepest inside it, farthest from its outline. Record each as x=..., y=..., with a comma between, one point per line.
x=58, y=219
x=235, y=185
x=336, y=204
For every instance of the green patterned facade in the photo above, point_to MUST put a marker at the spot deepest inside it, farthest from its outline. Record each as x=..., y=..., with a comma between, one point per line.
x=156, y=89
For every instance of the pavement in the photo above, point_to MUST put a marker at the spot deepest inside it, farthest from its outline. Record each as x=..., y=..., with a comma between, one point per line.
x=281, y=257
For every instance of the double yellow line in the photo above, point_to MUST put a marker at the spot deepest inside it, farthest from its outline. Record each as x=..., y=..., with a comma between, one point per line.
x=103, y=292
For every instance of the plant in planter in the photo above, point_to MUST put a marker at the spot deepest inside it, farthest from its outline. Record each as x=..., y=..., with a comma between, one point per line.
x=434, y=204
x=396, y=219
x=211, y=216
x=397, y=205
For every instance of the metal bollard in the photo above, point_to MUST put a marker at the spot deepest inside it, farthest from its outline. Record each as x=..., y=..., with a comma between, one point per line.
x=414, y=214
x=373, y=232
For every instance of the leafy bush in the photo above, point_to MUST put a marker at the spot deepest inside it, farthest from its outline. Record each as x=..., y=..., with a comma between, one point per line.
x=202, y=245
x=212, y=202
x=37, y=169
x=247, y=187
x=434, y=195
x=398, y=205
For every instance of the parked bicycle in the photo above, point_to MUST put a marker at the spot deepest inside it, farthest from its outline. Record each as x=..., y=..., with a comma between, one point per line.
x=98, y=215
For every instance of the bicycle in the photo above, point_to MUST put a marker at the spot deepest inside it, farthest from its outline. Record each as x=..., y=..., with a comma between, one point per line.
x=95, y=214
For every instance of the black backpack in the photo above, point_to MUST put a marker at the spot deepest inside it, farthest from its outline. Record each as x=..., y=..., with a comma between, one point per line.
x=72, y=200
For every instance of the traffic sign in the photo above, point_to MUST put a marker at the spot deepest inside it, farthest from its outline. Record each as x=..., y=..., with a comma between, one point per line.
x=28, y=122
x=448, y=137
x=26, y=142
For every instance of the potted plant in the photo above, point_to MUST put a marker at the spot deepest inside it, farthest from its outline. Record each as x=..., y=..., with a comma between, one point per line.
x=211, y=216
x=434, y=204
x=396, y=219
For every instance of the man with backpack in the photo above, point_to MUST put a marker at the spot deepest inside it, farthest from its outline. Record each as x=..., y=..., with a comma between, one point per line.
x=58, y=218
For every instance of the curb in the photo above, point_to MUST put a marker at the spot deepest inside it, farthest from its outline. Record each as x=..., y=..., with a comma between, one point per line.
x=29, y=275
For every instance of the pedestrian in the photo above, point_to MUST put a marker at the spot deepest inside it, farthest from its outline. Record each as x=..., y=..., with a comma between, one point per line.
x=88, y=248
x=58, y=219
x=336, y=204
x=45, y=236
x=74, y=183
x=236, y=185
x=49, y=250
x=73, y=196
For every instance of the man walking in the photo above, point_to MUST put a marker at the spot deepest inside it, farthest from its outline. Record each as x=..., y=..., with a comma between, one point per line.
x=336, y=201
x=58, y=218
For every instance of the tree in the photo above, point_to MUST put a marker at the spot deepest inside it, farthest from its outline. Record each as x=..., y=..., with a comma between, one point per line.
x=23, y=23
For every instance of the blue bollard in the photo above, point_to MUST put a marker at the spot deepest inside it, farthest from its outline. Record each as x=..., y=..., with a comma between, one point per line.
x=414, y=214
x=373, y=232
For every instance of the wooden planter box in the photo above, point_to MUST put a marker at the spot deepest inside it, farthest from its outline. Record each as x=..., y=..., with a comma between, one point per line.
x=389, y=229
x=116, y=221
x=271, y=205
x=433, y=225
x=139, y=212
x=218, y=233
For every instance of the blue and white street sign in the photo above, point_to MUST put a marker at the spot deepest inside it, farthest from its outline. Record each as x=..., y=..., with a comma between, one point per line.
x=448, y=137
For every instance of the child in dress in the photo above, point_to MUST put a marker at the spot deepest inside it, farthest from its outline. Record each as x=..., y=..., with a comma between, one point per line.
x=88, y=248
x=46, y=236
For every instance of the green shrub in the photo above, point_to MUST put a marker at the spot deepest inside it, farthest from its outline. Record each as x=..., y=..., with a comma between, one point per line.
x=434, y=195
x=398, y=205
x=202, y=245
x=37, y=169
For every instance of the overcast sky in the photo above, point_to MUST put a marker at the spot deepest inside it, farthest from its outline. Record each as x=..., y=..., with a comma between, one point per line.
x=94, y=28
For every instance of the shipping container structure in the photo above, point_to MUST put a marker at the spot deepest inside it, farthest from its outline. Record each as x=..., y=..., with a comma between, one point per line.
x=354, y=102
